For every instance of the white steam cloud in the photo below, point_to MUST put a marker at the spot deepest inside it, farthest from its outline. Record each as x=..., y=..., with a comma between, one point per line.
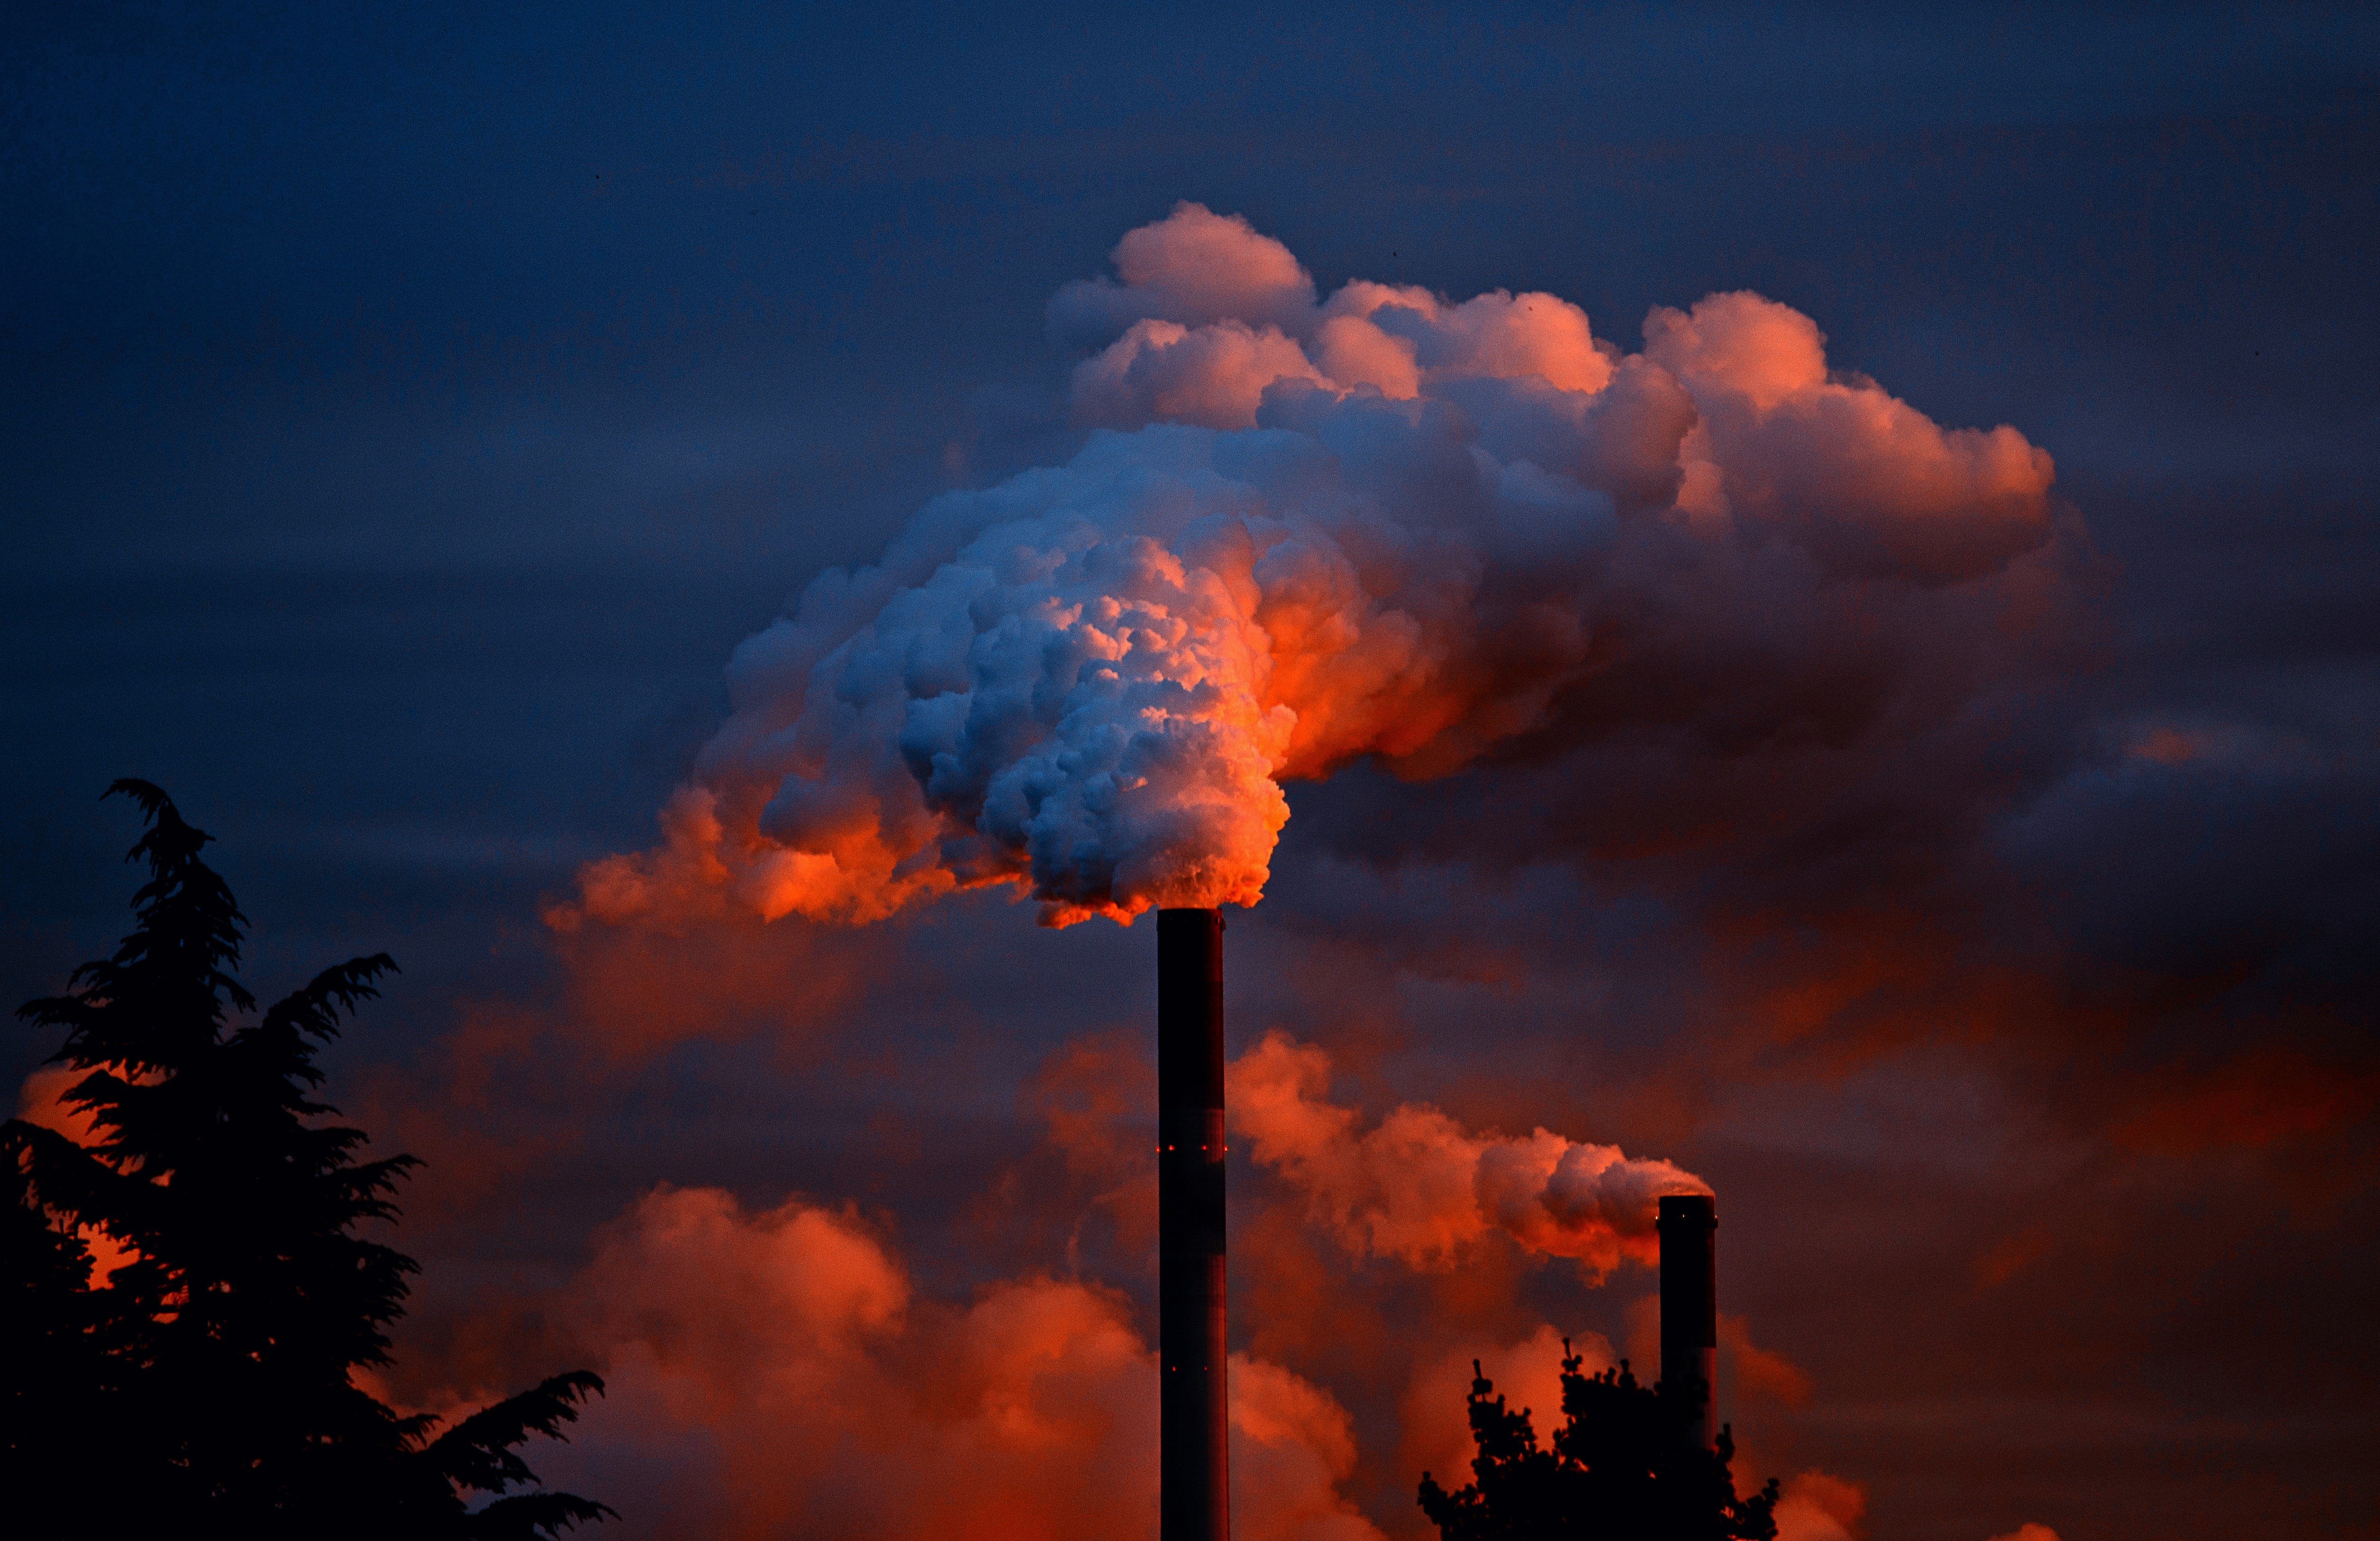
x=1421, y=1188
x=1302, y=531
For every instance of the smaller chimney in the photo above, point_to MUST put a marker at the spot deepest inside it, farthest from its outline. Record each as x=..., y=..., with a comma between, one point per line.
x=1688, y=1225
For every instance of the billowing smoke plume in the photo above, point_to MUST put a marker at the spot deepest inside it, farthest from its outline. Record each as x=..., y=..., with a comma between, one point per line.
x=1302, y=531
x=1422, y=1188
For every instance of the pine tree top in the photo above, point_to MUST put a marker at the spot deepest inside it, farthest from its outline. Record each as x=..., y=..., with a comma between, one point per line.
x=212, y=1379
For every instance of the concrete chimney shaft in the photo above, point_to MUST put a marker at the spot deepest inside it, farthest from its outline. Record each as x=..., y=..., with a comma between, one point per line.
x=1688, y=1224
x=1195, y=1501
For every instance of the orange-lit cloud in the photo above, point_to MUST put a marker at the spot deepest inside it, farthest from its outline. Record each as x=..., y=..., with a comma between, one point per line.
x=1861, y=480
x=1097, y=1098
x=1816, y=1507
x=1420, y=1188
x=1162, y=371
x=1758, y=1372
x=716, y=970
x=779, y=1372
x=1195, y=268
x=1292, y=1445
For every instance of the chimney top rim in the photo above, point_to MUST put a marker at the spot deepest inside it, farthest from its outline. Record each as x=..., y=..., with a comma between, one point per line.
x=1673, y=1209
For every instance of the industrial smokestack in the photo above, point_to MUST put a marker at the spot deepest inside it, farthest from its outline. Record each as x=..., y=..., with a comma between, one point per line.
x=1194, y=1502
x=1688, y=1224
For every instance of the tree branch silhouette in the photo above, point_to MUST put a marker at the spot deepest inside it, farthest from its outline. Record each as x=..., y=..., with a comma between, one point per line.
x=208, y=1386
x=1626, y=1465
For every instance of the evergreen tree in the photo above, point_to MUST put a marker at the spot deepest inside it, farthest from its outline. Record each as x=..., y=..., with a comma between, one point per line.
x=207, y=1388
x=1626, y=1465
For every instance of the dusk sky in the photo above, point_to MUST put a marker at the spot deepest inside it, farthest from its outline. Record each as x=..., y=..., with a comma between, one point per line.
x=1854, y=672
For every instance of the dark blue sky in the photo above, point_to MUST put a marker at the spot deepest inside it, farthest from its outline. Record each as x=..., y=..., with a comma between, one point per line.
x=406, y=413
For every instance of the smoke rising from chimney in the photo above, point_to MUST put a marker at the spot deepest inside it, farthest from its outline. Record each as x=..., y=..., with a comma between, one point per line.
x=1303, y=531
x=1421, y=1188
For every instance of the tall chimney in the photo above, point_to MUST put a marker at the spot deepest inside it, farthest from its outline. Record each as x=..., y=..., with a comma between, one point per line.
x=1688, y=1224
x=1194, y=1502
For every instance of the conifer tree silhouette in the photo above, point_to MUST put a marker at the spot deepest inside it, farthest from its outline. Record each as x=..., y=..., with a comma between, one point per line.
x=1626, y=1465
x=206, y=1388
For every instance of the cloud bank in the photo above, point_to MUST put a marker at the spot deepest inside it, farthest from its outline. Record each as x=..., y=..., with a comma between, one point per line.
x=780, y=1373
